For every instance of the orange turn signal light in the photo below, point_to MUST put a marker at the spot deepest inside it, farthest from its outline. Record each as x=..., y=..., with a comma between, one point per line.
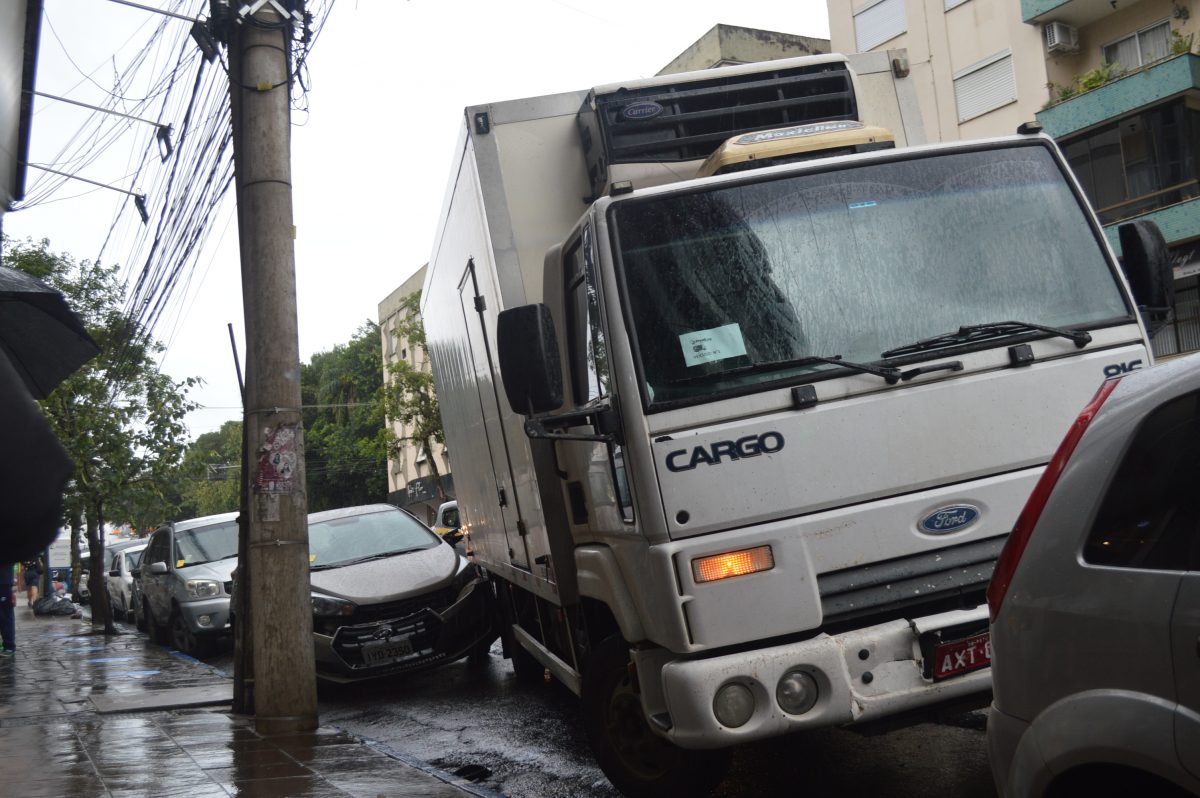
x=732, y=563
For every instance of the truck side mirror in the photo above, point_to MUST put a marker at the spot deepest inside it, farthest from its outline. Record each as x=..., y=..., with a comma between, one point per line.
x=1148, y=269
x=529, y=362
x=158, y=568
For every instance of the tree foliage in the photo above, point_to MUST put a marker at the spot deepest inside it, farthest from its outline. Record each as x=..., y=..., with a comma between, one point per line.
x=410, y=396
x=345, y=437
x=211, y=472
x=119, y=418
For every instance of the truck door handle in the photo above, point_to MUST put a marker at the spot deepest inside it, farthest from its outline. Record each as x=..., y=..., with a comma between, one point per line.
x=502, y=497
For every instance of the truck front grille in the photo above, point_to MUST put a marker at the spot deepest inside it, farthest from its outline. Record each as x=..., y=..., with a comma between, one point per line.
x=933, y=581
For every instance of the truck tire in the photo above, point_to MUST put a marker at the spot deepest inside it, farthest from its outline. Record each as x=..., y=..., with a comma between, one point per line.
x=636, y=760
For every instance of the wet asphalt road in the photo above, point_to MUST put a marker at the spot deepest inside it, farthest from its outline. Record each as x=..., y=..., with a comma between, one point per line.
x=528, y=743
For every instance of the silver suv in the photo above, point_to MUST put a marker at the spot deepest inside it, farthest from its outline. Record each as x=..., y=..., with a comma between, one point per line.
x=186, y=579
x=1095, y=603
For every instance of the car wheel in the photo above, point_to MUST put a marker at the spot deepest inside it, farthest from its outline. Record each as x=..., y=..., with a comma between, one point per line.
x=158, y=631
x=636, y=760
x=183, y=638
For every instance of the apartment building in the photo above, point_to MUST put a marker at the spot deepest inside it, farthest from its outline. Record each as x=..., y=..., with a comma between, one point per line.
x=412, y=482
x=1116, y=82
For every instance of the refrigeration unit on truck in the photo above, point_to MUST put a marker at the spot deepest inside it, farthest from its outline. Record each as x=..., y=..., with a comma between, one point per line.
x=742, y=400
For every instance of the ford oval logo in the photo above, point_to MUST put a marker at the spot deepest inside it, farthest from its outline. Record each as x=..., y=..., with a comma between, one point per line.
x=945, y=520
x=648, y=109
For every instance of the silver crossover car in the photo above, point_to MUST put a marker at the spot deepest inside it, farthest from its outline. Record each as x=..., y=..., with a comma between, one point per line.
x=390, y=596
x=185, y=579
x=121, y=560
x=1095, y=603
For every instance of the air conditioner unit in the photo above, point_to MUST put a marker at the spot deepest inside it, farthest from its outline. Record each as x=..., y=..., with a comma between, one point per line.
x=1061, y=38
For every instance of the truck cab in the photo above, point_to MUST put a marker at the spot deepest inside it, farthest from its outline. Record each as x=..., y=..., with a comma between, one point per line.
x=760, y=435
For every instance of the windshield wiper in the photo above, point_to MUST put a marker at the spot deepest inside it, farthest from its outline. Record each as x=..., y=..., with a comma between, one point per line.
x=890, y=374
x=356, y=561
x=979, y=332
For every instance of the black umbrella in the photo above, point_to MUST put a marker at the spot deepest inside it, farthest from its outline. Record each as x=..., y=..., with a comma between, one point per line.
x=44, y=340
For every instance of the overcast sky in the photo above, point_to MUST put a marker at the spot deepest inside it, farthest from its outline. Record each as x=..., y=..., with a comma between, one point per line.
x=388, y=82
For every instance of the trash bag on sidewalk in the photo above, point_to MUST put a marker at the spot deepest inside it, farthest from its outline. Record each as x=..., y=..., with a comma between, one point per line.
x=54, y=605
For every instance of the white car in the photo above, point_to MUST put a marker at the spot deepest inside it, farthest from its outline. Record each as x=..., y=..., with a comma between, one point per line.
x=120, y=561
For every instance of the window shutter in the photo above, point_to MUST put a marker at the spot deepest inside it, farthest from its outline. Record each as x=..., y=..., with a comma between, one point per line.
x=985, y=86
x=877, y=23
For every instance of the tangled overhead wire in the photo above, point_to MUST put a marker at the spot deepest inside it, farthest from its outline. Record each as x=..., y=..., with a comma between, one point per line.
x=185, y=191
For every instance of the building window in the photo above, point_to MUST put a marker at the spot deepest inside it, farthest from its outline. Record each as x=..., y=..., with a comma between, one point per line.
x=1140, y=163
x=1141, y=48
x=877, y=22
x=985, y=86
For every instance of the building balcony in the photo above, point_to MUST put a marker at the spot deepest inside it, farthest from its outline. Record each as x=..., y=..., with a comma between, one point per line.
x=1072, y=12
x=1173, y=76
x=1179, y=222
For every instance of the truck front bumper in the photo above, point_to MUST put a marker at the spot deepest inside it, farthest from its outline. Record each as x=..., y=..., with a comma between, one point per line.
x=861, y=675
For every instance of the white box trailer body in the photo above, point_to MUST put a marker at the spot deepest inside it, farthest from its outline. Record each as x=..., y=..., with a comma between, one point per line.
x=864, y=501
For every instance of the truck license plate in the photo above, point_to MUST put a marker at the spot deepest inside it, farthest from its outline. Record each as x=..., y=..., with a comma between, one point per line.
x=385, y=651
x=962, y=656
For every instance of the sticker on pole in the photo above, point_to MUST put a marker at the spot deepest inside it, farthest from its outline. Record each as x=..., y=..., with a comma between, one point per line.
x=276, y=471
x=706, y=346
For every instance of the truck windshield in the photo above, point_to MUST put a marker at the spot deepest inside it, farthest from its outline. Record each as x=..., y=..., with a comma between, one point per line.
x=853, y=263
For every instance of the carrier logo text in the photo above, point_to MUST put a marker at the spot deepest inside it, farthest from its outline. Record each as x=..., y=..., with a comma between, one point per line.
x=715, y=453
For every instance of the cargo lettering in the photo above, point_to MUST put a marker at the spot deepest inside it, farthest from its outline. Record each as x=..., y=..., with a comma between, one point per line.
x=716, y=453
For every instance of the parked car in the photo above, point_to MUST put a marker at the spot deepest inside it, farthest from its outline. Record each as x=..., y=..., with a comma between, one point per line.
x=1095, y=603
x=389, y=596
x=122, y=558
x=185, y=581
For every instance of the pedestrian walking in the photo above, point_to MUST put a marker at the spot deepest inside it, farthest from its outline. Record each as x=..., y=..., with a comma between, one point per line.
x=32, y=569
x=8, y=601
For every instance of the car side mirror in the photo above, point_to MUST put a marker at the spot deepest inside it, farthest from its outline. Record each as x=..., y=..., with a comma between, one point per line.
x=115, y=572
x=136, y=573
x=158, y=568
x=529, y=361
x=1148, y=268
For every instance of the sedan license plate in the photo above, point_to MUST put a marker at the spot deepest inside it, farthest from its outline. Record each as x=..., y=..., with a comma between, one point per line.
x=381, y=652
x=962, y=656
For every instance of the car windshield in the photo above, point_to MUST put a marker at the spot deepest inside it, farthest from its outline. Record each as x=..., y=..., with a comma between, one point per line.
x=206, y=544
x=852, y=263
x=133, y=559
x=354, y=538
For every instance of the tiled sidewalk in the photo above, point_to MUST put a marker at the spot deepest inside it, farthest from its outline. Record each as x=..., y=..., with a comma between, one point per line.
x=65, y=731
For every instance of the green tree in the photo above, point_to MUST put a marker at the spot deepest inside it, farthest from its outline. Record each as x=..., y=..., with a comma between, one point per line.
x=345, y=439
x=118, y=417
x=211, y=472
x=410, y=396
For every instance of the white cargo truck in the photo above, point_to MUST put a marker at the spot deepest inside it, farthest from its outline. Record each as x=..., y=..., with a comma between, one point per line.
x=740, y=446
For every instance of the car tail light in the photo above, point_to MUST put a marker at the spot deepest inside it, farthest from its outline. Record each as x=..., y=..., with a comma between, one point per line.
x=1010, y=555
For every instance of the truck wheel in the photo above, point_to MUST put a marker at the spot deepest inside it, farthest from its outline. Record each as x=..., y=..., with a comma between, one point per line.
x=636, y=760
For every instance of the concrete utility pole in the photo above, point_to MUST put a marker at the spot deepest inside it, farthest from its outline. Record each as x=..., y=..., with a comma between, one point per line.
x=274, y=570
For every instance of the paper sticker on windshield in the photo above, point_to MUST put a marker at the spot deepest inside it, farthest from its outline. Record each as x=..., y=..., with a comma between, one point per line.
x=719, y=343
x=180, y=563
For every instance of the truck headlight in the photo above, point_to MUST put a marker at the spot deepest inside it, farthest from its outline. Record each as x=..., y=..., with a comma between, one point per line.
x=329, y=607
x=202, y=588
x=796, y=692
x=733, y=704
